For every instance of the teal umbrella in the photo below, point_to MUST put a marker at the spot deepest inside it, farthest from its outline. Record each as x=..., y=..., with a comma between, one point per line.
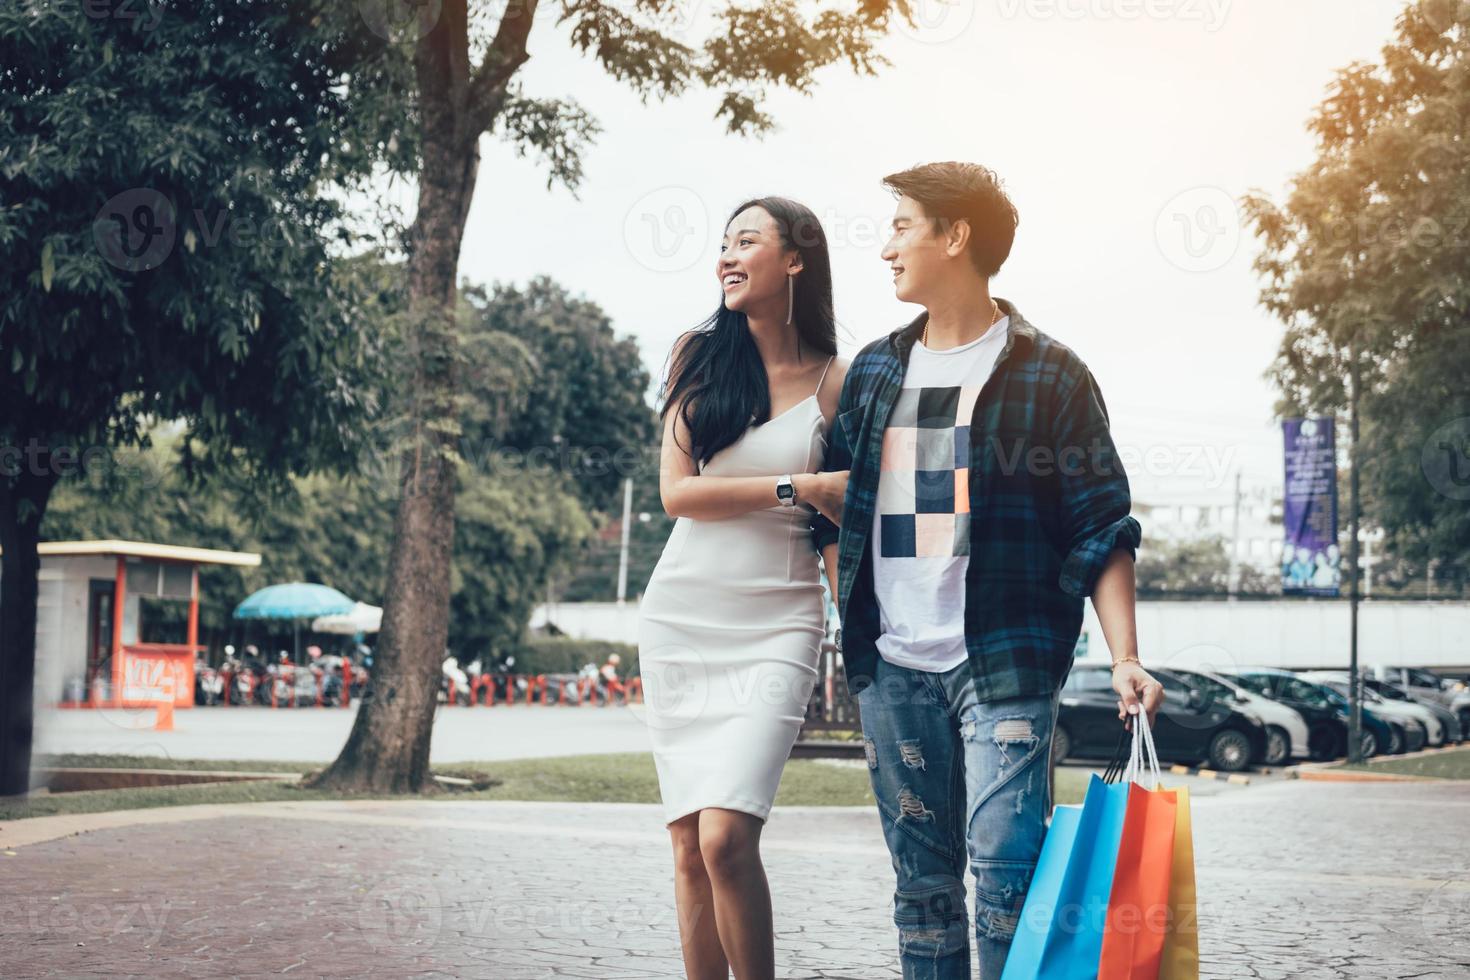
x=294, y=601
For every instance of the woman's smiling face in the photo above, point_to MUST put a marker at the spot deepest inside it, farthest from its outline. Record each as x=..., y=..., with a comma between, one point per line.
x=754, y=262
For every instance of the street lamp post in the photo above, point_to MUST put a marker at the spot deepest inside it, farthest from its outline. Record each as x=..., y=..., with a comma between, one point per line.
x=1355, y=701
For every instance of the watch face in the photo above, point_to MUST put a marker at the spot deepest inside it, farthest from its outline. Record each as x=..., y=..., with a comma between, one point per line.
x=785, y=491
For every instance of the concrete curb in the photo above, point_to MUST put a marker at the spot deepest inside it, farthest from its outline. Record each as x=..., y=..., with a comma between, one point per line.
x=1335, y=775
x=1238, y=778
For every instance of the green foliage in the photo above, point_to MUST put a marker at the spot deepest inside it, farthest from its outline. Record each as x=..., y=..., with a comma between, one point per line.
x=584, y=419
x=594, y=578
x=166, y=248
x=1370, y=251
x=518, y=527
x=1194, y=567
x=751, y=48
x=510, y=534
x=565, y=655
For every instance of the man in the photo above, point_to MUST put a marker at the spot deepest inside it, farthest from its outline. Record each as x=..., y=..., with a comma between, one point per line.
x=985, y=501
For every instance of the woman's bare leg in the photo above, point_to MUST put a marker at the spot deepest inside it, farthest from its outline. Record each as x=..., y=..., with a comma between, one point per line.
x=730, y=843
x=704, y=958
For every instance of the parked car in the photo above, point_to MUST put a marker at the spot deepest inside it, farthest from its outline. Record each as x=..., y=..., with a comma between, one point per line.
x=1453, y=732
x=1408, y=712
x=1461, y=707
x=1191, y=727
x=1287, y=732
x=1291, y=690
x=1418, y=683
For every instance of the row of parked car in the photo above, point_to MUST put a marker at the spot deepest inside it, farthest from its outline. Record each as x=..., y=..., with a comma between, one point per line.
x=1231, y=719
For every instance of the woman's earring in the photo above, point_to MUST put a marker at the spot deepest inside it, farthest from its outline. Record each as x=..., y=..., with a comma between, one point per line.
x=790, y=297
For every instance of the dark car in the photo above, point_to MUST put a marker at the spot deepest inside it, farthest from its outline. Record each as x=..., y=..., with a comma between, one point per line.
x=1378, y=734
x=1326, y=731
x=1191, y=727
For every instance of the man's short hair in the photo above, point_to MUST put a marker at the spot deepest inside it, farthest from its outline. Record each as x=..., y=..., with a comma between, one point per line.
x=950, y=191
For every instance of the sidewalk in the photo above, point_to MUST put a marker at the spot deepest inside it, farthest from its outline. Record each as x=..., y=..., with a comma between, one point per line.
x=461, y=734
x=1296, y=880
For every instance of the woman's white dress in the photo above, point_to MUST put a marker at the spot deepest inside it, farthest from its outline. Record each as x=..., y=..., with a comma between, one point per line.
x=730, y=630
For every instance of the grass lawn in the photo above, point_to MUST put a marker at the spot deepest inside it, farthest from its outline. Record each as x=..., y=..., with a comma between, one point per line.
x=1442, y=765
x=619, y=778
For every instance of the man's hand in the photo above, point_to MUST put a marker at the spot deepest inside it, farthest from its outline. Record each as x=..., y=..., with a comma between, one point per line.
x=824, y=491
x=1136, y=688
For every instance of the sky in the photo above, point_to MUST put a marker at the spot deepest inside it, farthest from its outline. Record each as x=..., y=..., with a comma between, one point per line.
x=1125, y=132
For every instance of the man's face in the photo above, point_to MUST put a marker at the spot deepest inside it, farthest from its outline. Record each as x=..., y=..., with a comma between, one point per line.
x=915, y=252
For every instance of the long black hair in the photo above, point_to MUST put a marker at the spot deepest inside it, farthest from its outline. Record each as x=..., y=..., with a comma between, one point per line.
x=716, y=373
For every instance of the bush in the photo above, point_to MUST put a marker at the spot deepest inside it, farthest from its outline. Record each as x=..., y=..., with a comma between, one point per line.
x=565, y=655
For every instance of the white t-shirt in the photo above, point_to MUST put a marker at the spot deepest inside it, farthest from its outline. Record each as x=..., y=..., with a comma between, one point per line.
x=921, y=525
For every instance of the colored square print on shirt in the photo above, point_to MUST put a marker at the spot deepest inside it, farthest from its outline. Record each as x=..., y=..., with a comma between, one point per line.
x=924, y=482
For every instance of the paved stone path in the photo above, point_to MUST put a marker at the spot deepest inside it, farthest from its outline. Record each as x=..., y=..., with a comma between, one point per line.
x=1296, y=880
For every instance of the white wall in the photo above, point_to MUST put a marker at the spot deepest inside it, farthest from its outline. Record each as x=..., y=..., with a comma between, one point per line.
x=1297, y=634
x=590, y=620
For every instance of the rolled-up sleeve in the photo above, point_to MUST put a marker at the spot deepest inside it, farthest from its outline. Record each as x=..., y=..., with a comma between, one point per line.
x=1094, y=498
x=838, y=457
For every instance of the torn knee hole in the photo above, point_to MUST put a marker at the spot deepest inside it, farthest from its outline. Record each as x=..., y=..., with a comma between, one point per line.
x=912, y=755
x=1013, y=729
x=911, y=806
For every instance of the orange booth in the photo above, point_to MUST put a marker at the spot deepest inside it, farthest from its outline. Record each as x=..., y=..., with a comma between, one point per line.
x=93, y=601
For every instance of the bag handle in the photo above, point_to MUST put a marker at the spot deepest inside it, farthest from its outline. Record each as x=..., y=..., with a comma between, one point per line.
x=1142, y=751
x=1116, y=764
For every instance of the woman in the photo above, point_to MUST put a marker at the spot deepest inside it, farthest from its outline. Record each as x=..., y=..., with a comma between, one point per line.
x=731, y=622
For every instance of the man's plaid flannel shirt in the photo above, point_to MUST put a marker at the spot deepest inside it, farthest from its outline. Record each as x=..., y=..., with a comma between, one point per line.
x=1049, y=502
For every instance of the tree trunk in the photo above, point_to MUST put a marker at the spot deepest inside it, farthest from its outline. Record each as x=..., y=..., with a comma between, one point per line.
x=388, y=748
x=22, y=505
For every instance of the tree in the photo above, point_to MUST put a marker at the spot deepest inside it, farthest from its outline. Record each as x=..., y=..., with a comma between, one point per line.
x=1367, y=262
x=455, y=102
x=1193, y=567
x=170, y=257
x=585, y=418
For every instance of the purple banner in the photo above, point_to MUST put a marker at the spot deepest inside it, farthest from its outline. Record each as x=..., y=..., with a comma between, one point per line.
x=1311, y=561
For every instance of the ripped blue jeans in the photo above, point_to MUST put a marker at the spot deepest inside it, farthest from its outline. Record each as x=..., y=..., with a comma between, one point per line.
x=957, y=781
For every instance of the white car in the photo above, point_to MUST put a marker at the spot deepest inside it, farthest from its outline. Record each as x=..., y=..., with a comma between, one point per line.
x=1434, y=732
x=1286, y=731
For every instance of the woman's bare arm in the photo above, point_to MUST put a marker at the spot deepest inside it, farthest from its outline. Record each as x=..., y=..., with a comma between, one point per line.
x=688, y=493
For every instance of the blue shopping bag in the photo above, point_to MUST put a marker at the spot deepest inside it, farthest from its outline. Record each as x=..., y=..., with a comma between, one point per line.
x=1060, y=933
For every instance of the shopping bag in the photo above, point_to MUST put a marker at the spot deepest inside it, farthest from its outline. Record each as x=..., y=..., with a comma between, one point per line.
x=1059, y=933
x=1024, y=959
x=1180, y=960
x=1138, y=905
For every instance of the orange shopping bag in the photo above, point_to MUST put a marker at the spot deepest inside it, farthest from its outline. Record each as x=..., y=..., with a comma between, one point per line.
x=1181, y=946
x=1138, y=919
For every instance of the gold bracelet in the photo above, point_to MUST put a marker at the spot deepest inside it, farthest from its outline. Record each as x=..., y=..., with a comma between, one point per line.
x=1125, y=660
